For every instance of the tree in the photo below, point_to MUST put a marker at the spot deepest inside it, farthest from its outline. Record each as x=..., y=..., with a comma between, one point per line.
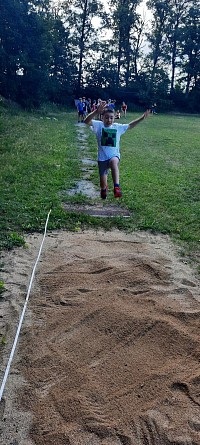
x=139, y=31
x=124, y=21
x=178, y=11
x=157, y=38
x=102, y=72
x=79, y=21
x=25, y=51
x=35, y=58
x=62, y=69
x=190, y=49
x=11, y=39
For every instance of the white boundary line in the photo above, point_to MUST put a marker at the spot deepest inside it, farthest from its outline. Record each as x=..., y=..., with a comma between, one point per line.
x=22, y=315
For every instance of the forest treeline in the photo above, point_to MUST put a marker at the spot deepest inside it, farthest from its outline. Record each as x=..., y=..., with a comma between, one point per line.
x=58, y=51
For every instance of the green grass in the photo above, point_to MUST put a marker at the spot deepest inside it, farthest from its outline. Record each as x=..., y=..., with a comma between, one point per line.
x=41, y=160
x=160, y=175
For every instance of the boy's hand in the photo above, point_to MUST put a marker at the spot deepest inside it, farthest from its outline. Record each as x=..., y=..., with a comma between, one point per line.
x=94, y=113
x=146, y=113
x=140, y=119
x=101, y=106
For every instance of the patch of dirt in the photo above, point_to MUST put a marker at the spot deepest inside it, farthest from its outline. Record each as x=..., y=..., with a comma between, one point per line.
x=105, y=210
x=109, y=351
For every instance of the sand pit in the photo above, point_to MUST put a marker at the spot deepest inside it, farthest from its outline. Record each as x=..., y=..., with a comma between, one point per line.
x=109, y=351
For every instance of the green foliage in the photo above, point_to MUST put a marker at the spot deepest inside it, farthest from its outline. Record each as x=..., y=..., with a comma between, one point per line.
x=174, y=41
x=51, y=53
x=25, y=48
x=83, y=33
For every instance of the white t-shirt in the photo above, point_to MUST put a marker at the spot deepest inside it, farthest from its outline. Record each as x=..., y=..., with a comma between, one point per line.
x=108, y=139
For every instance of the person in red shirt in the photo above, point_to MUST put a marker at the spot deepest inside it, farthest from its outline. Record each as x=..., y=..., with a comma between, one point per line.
x=124, y=109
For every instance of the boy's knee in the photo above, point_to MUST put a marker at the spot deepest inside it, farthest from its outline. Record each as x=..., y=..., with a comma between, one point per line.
x=114, y=161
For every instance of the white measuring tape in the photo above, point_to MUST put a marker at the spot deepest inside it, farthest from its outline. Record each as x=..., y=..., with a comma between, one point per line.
x=22, y=315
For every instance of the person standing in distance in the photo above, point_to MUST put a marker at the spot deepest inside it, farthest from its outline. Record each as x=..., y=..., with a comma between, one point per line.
x=124, y=109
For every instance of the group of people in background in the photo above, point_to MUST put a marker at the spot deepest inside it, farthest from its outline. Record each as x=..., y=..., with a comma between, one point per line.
x=86, y=106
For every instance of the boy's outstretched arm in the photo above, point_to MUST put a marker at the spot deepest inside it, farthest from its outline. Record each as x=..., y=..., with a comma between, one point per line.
x=94, y=113
x=141, y=118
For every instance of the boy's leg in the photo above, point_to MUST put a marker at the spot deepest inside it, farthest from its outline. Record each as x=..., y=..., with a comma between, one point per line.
x=103, y=185
x=114, y=165
x=103, y=175
x=103, y=181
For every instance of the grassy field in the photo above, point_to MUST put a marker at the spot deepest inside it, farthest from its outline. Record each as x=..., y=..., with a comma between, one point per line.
x=40, y=161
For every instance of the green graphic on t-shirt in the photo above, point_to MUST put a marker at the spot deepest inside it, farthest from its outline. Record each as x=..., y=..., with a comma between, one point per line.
x=108, y=137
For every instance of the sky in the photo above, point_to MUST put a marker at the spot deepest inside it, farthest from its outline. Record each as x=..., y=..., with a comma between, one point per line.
x=143, y=10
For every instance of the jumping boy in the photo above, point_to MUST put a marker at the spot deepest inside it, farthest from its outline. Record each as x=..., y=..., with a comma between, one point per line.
x=108, y=137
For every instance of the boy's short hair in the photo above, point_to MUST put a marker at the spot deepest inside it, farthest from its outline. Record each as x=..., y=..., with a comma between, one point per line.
x=108, y=110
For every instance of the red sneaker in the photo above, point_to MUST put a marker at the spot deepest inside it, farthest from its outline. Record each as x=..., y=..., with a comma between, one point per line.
x=117, y=192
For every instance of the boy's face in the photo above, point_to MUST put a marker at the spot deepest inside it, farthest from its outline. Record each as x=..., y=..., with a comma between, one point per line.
x=108, y=118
